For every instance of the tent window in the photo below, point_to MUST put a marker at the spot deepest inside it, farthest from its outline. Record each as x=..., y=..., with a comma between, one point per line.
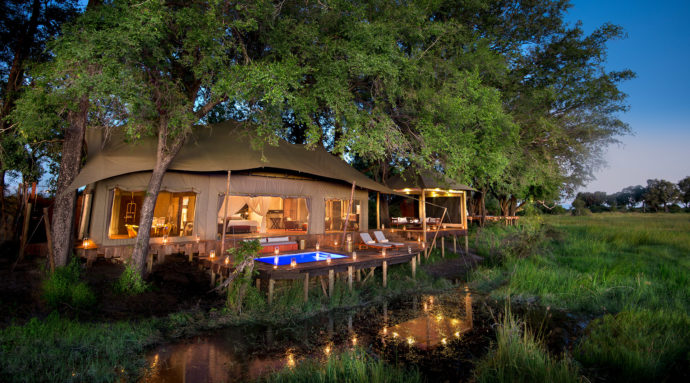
x=262, y=214
x=172, y=216
x=336, y=214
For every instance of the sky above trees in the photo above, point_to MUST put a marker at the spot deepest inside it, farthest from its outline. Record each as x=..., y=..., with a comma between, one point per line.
x=657, y=50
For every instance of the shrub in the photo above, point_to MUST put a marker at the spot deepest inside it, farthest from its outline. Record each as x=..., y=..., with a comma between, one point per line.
x=64, y=287
x=130, y=282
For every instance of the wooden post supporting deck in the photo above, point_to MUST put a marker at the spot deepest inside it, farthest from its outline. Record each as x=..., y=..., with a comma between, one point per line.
x=149, y=263
x=413, y=264
x=467, y=244
x=443, y=247
x=49, y=239
x=271, y=284
x=378, y=211
x=306, y=287
x=258, y=284
x=359, y=275
x=331, y=282
x=455, y=244
x=213, y=276
x=385, y=274
x=349, y=277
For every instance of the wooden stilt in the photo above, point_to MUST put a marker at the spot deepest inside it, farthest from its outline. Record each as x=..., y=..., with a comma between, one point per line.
x=455, y=244
x=49, y=240
x=331, y=282
x=306, y=287
x=213, y=276
x=258, y=284
x=149, y=263
x=385, y=274
x=467, y=245
x=323, y=286
x=413, y=264
x=349, y=278
x=443, y=247
x=359, y=275
x=271, y=284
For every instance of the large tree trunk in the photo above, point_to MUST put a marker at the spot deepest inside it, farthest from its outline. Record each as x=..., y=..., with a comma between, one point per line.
x=482, y=205
x=66, y=200
x=164, y=157
x=512, y=211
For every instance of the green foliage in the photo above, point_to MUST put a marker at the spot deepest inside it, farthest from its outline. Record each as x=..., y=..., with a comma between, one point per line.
x=130, y=282
x=498, y=243
x=637, y=346
x=518, y=356
x=63, y=350
x=580, y=208
x=684, y=188
x=64, y=287
x=632, y=264
x=660, y=193
x=349, y=366
x=242, y=254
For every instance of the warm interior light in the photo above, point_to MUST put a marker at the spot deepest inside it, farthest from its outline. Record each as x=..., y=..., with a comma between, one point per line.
x=85, y=243
x=335, y=243
x=165, y=239
x=198, y=238
x=383, y=251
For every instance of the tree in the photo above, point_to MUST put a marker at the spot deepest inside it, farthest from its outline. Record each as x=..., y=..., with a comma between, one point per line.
x=25, y=28
x=634, y=195
x=660, y=193
x=684, y=187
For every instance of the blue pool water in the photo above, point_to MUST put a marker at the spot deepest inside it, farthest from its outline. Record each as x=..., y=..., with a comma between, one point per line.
x=314, y=256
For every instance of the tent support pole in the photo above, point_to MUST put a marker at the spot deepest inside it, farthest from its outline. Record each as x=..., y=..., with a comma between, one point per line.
x=378, y=210
x=226, y=201
x=349, y=210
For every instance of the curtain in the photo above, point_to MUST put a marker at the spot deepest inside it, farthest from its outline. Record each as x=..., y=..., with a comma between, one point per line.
x=235, y=204
x=260, y=206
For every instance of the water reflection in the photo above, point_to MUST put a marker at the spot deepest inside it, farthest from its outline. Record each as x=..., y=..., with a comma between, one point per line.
x=421, y=323
x=432, y=328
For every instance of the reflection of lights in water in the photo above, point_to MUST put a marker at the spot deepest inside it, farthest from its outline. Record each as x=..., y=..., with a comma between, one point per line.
x=410, y=340
x=155, y=361
x=426, y=307
x=354, y=340
x=327, y=350
x=439, y=317
x=290, y=360
x=385, y=330
x=395, y=335
x=444, y=341
x=457, y=334
x=454, y=322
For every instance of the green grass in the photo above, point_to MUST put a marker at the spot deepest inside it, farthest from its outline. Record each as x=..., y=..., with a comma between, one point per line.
x=631, y=270
x=62, y=350
x=64, y=287
x=518, y=356
x=349, y=366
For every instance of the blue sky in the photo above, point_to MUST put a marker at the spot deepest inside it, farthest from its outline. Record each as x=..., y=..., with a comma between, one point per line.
x=658, y=50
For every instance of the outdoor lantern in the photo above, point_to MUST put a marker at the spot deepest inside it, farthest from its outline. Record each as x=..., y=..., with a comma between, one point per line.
x=328, y=259
x=276, y=250
x=198, y=238
x=354, y=255
x=419, y=239
x=165, y=239
x=383, y=226
x=293, y=262
x=212, y=254
x=335, y=243
x=317, y=247
x=409, y=250
x=85, y=243
x=227, y=260
x=383, y=251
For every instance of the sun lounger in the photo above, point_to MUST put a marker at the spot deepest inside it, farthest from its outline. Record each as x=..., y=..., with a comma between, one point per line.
x=367, y=241
x=383, y=240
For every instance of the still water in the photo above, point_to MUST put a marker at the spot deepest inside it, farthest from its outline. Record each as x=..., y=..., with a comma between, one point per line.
x=435, y=333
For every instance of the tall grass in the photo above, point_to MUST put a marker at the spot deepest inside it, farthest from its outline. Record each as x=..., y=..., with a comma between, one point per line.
x=631, y=269
x=519, y=357
x=349, y=366
x=63, y=350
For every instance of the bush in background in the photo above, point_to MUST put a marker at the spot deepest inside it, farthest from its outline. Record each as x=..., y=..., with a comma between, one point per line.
x=130, y=282
x=64, y=287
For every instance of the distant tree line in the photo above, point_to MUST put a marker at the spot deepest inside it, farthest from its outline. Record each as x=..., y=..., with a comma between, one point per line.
x=658, y=195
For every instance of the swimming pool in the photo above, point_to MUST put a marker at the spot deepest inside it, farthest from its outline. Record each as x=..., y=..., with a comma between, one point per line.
x=312, y=256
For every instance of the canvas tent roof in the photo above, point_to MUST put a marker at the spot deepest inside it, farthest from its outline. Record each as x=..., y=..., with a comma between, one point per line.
x=425, y=180
x=219, y=147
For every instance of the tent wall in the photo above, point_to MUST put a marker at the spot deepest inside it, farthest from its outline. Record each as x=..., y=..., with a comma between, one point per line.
x=208, y=188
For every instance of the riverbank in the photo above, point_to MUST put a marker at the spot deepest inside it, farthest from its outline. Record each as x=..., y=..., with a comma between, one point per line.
x=81, y=345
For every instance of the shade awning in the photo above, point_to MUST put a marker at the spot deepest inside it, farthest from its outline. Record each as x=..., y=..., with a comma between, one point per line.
x=218, y=147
